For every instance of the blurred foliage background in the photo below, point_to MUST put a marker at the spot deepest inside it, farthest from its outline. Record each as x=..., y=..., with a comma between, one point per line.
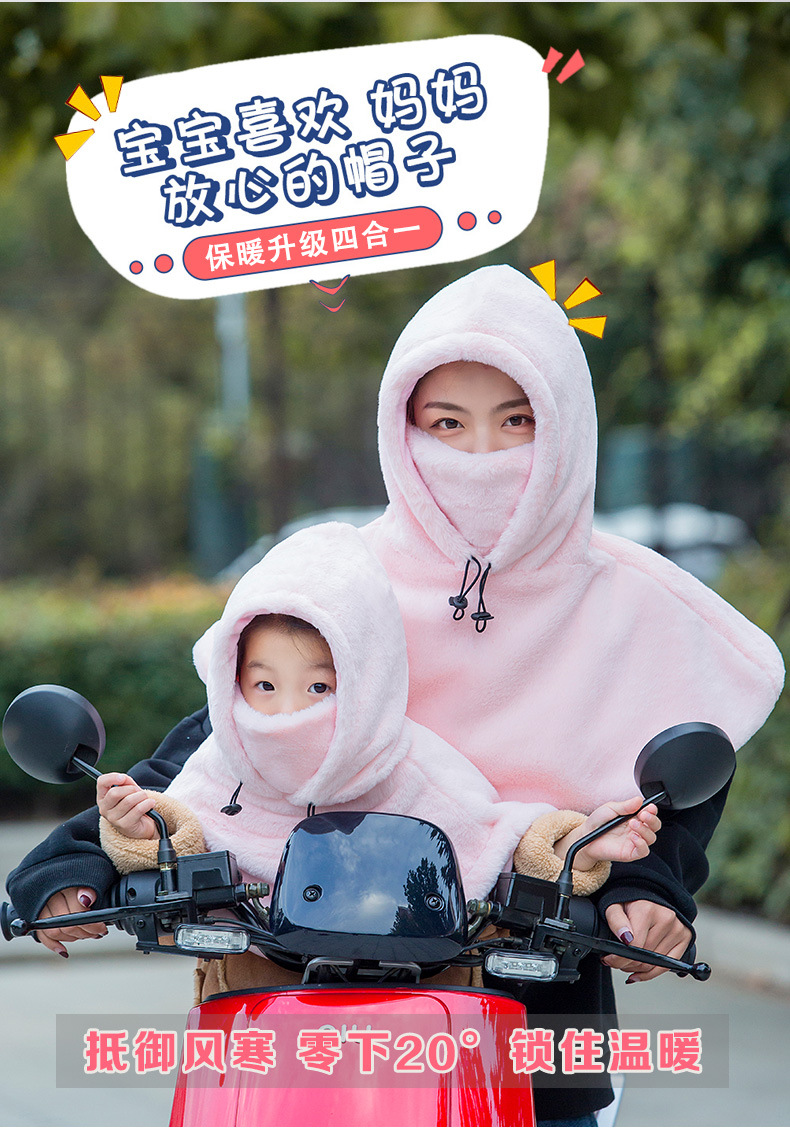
x=667, y=183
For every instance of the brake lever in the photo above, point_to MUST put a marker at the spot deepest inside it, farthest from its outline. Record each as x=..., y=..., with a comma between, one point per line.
x=18, y=927
x=699, y=971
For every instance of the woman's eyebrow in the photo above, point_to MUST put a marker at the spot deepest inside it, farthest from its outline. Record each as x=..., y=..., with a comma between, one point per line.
x=445, y=407
x=513, y=404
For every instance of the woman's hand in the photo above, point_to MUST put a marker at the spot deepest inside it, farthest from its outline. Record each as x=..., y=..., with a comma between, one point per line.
x=629, y=841
x=74, y=899
x=650, y=926
x=124, y=804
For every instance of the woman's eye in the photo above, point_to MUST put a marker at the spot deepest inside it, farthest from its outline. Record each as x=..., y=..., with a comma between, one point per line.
x=264, y=686
x=319, y=688
x=519, y=421
x=447, y=424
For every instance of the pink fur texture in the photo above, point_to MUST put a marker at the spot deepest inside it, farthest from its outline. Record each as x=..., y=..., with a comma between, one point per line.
x=356, y=750
x=596, y=643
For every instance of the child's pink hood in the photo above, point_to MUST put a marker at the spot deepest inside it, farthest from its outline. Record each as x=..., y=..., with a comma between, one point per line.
x=596, y=643
x=355, y=750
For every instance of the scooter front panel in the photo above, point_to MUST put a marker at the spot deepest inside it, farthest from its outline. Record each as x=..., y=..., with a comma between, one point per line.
x=359, y=1056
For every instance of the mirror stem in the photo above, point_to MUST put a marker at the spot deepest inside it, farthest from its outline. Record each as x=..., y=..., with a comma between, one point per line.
x=84, y=767
x=565, y=880
x=166, y=855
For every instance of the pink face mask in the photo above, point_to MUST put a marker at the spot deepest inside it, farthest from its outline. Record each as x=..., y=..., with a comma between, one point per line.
x=477, y=493
x=283, y=751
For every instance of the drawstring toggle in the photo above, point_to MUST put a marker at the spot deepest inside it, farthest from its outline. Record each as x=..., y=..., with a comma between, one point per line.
x=232, y=808
x=460, y=602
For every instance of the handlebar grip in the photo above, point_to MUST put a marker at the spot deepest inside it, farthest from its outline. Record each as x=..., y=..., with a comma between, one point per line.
x=690, y=955
x=8, y=915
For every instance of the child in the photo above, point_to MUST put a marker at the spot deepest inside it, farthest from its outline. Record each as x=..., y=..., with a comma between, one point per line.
x=307, y=684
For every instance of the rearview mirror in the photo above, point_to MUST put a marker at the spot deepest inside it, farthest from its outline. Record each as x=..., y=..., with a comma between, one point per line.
x=689, y=762
x=45, y=727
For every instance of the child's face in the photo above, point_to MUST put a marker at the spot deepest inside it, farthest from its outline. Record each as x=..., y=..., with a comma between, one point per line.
x=283, y=672
x=473, y=407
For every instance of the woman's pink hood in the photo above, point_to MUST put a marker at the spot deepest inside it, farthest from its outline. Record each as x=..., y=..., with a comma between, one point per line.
x=355, y=750
x=497, y=317
x=596, y=643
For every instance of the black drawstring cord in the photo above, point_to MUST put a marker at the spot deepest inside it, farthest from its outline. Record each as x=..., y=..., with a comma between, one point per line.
x=310, y=810
x=482, y=616
x=233, y=808
x=460, y=601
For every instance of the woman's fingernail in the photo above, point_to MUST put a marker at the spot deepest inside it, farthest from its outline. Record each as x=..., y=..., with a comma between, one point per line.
x=626, y=936
x=634, y=979
x=63, y=953
x=85, y=900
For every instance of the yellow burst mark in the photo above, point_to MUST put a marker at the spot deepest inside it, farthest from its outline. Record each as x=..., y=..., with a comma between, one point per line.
x=69, y=143
x=79, y=100
x=111, y=85
x=589, y=325
x=583, y=293
x=546, y=274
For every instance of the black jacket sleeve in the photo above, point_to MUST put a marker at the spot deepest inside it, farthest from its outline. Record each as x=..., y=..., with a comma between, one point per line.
x=71, y=855
x=676, y=866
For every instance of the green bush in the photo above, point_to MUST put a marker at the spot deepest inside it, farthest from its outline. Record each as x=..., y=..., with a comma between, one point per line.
x=750, y=852
x=127, y=649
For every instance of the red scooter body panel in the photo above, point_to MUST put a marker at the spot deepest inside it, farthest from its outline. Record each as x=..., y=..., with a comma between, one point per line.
x=441, y=1058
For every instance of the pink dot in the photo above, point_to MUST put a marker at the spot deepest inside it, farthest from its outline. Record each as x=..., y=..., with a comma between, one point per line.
x=163, y=263
x=494, y=217
x=467, y=221
x=136, y=267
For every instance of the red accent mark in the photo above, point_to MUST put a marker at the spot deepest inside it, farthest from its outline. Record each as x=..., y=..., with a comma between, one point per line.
x=136, y=267
x=494, y=217
x=467, y=220
x=552, y=59
x=574, y=64
x=332, y=309
x=163, y=263
x=331, y=289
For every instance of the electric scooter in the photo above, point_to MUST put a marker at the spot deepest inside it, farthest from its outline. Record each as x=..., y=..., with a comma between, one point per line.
x=365, y=907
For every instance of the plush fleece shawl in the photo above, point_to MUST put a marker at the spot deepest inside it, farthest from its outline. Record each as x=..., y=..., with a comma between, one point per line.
x=355, y=750
x=596, y=644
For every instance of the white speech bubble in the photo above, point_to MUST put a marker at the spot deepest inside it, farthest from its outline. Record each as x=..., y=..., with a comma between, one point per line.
x=272, y=172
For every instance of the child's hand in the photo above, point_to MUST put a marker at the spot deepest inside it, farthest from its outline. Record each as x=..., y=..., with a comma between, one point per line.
x=123, y=803
x=629, y=841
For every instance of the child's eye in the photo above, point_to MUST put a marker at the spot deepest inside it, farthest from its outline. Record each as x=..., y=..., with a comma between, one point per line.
x=264, y=686
x=320, y=688
x=447, y=424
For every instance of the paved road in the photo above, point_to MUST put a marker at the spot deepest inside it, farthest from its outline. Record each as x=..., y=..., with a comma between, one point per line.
x=34, y=992
x=759, y=1079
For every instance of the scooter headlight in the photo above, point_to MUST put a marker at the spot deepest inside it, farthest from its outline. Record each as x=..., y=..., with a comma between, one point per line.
x=515, y=966
x=211, y=939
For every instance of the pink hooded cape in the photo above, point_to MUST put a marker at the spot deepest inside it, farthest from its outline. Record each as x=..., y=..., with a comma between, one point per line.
x=596, y=644
x=356, y=750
